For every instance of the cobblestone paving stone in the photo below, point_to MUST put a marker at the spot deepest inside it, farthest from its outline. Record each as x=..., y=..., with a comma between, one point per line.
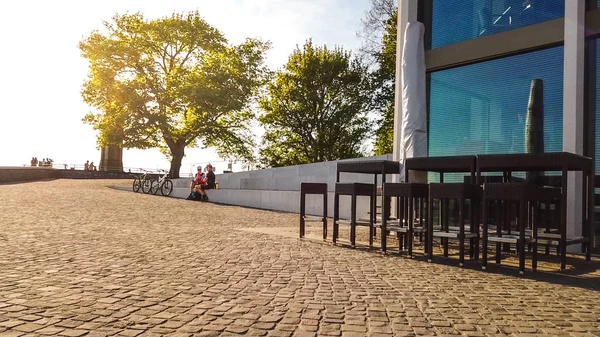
x=80, y=259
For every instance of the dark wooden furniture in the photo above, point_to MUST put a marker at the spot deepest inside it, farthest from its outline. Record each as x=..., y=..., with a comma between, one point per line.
x=312, y=188
x=372, y=167
x=525, y=196
x=412, y=205
x=353, y=190
x=557, y=161
x=441, y=165
x=459, y=192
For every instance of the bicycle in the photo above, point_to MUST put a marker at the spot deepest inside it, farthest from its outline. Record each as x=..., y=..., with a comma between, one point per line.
x=164, y=184
x=143, y=182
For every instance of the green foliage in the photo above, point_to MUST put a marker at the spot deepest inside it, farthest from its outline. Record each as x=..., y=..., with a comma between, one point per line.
x=384, y=78
x=315, y=109
x=172, y=82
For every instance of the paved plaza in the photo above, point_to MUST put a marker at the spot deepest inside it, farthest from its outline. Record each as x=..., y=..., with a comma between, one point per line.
x=78, y=258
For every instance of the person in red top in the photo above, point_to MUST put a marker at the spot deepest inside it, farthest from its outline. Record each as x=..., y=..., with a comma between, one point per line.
x=198, y=179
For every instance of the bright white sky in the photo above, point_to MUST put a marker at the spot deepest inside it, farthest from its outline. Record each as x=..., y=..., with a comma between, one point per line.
x=42, y=70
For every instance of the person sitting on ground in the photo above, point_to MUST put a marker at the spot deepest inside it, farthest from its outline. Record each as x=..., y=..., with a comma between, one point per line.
x=209, y=183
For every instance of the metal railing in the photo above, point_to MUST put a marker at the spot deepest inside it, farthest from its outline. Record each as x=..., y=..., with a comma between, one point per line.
x=188, y=170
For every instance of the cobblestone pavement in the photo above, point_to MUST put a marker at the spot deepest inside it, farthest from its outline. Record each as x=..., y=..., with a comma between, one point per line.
x=77, y=258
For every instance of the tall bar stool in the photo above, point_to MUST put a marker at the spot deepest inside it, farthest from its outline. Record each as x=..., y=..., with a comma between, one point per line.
x=461, y=193
x=353, y=190
x=312, y=188
x=412, y=199
x=527, y=197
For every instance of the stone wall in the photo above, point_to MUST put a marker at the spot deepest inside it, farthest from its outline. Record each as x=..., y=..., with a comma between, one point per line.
x=26, y=174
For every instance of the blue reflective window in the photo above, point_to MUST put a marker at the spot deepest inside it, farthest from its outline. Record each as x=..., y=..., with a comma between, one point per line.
x=482, y=108
x=461, y=20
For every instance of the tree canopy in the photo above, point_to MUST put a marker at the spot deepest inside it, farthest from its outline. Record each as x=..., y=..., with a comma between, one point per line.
x=385, y=77
x=170, y=83
x=379, y=35
x=315, y=109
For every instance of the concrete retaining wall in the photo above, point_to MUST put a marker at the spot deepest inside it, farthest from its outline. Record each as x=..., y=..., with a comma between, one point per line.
x=278, y=189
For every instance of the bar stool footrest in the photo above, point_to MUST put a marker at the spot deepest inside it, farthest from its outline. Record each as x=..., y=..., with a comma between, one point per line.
x=313, y=219
x=453, y=235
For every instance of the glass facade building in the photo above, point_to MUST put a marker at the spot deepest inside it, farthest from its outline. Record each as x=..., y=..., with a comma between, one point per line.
x=482, y=57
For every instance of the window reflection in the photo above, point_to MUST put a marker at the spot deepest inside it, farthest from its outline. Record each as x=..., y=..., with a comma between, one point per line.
x=482, y=108
x=460, y=20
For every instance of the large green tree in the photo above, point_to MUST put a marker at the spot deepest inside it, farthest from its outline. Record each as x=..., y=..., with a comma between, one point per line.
x=170, y=83
x=315, y=109
x=379, y=35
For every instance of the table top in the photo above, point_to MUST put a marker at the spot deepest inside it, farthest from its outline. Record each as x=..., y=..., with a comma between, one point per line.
x=369, y=167
x=551, y=161
x=446, y=164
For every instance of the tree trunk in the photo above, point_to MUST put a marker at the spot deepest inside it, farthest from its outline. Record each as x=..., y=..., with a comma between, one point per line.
x=177, y=153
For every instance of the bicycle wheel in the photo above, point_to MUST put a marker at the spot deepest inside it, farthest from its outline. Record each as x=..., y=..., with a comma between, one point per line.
x=154, y=187
x=166, y=188
x=137, y=183
x=147, y=186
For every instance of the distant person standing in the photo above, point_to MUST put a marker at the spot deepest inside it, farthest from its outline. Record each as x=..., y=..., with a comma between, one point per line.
x=86, y=167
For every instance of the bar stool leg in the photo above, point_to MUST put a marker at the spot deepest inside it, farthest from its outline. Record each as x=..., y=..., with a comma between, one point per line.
x=353, y=221
x=499, y=226
x=521, y=243
x=384, y=218
x=563, y=252
x=472, y=218
x=461, y=234
x=371, y=222
x=302, y=213
x=430, y=230
x=424, y=222
x=536, y=214
x=325, y=216
x=484, y=235
x=409, y=233
x=336, y=216
x=401, y=236
x=444, y=224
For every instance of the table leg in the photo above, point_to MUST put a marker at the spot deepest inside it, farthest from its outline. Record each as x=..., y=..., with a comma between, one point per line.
x=336, y=216
x=384, y=216
x=353, y=221
x=563, y=222
x=302, y=214
x=325, y=216
x=461, y=234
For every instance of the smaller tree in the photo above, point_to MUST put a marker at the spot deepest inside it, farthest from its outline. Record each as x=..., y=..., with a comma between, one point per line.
x=315, y=109
x=385, y=81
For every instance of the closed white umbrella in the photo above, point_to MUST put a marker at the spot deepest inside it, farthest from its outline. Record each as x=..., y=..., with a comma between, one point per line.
x=413, y=141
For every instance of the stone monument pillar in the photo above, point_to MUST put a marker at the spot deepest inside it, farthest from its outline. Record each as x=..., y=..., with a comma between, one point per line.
x=111, y=159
